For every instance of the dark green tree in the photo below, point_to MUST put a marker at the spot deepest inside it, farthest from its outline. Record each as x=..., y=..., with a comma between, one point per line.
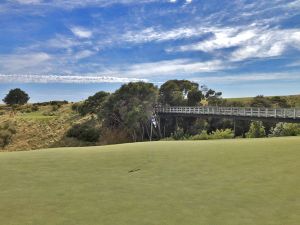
x=213, y=97
x=93, y=104
x=16, y=97
x=179, y=92
x=130, y=108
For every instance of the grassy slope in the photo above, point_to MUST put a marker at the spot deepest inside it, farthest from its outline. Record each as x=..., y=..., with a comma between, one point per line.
x=36, y=130
x=292, y=99
x=227, y=182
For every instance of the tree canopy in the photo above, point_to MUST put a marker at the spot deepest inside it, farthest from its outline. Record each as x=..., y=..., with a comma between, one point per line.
x=180, y=92
x=130, y=108
x=16, y=97
x=93, y=104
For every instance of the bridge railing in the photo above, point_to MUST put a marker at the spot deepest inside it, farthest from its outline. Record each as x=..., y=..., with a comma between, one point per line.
x=292, y=113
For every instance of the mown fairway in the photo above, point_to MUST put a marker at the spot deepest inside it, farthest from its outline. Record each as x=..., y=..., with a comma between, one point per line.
x=229, y=182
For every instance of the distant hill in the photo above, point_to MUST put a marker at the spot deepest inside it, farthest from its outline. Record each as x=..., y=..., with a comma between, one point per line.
x=291, y=99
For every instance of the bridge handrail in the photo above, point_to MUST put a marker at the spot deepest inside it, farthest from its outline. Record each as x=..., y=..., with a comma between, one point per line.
x=292, y=113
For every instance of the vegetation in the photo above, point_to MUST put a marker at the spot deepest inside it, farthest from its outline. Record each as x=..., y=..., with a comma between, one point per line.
x=88, y=131
x=285, y=129
x=127, y=114
x=93, y=104
x=209, y=182
x=16, y=97
x=130, y=109
x=275, y=101
x=7, y=130
x=257, y=130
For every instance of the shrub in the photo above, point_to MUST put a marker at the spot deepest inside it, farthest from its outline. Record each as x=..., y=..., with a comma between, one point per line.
x=179, y=134
x=256, y=130
x=222, y=134
x=285, y=129
x=55, y=107
x=34, y=108
x=85, y=132
x=7, y=130
x=76, y=106
x=202, y=136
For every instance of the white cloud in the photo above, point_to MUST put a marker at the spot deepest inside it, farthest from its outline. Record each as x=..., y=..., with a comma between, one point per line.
x=29, y=1
x=81, y=32
x=268, y=43
x=151, y=34
x=242, y=78
x=253, y=42
x=171, y=67
x=67, y=4
x=23, y=78
x=84, y=54
x=19, y=62
x=223, y=38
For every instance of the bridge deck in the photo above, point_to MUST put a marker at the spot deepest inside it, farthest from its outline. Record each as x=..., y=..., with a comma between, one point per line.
x=279, y=114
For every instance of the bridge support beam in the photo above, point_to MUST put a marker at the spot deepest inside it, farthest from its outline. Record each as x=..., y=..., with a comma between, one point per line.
x=234, y=126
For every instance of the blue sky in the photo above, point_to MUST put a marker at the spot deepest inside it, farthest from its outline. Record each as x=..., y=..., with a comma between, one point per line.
x=59, y=49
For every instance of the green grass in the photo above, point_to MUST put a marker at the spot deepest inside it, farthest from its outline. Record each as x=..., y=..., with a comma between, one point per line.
x=226, y=182
x=36, y=116
x=291, y=99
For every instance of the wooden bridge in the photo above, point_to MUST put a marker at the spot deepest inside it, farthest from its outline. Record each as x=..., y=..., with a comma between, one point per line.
x=291, y=115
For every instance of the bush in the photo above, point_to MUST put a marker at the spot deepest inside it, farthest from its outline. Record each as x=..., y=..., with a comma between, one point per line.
x=76, y=106
x=55, y=107
x=34, y=108
x=7, y=130
x=256, y=130
x=222, y=134
x=202, y=136
x=85, y=132
x=285, y=129
x=179, y=134
x=218, y=134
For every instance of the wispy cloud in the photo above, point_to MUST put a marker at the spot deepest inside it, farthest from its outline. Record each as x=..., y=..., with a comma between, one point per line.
x=151, y=34
x=268, y=43
x=29, y=1
x=253, y=42
x=78, y=3
x=141, y=71
x=242, y=78
x=84, y=54
x=81, y=32
x=22, y=62
x=173, y=67
x=25, y=78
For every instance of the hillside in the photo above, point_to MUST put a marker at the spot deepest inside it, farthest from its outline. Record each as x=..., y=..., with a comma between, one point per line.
x=291, y=99
x=40, y=128
x=232, y=182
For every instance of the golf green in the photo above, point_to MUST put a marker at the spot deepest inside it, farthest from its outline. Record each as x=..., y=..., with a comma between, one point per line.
x=221, y=182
